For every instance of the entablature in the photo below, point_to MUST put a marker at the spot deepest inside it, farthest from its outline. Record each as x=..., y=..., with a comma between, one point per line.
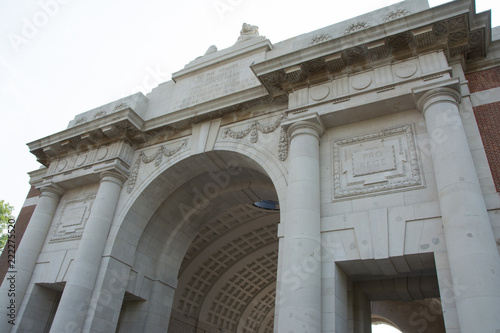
x=454, y=28
x=124, y=125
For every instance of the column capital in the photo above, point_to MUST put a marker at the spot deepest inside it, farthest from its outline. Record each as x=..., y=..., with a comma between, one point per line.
x=447, y=90
x=113, y=176
x=438, y=95
x=52, y=190
x=309, y=124
x=116, y=172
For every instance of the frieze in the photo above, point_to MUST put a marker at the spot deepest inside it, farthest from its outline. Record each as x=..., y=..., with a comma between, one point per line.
x=376, y=162
x=87, y=159
x=157, y=157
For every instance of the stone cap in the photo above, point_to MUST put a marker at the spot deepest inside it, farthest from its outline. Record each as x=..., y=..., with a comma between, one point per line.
x=454, y=27
x=136, y=102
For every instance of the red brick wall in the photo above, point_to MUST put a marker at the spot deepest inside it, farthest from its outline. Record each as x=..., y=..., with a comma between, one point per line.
x=33, y=193
x=488, y=121
x=19, y=228
x=484, y=80
x=488, y=118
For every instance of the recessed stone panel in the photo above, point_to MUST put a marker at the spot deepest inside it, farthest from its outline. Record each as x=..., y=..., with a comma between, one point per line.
x=376, y=162
x=365, y=162
x=320, y=92
x=405, y=69
x=74, y=216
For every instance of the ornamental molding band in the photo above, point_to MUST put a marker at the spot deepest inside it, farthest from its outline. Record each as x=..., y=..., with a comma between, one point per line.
x=73, y=218
x=254, y=128
x=157, y=157
x=376, y=162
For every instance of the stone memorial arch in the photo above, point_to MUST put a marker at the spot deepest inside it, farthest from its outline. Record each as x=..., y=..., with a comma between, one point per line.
x=340, y=178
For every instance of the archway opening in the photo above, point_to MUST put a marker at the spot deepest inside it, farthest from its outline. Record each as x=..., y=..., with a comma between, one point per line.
x=384, y=328
x=212, y=246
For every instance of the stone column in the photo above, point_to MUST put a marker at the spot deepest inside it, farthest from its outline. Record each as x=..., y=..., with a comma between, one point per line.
x=76, y=298
x=29, y=248
x=473, y=255
x=300, y=285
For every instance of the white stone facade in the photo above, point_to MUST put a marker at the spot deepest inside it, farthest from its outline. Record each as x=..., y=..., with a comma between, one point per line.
x=363, y=131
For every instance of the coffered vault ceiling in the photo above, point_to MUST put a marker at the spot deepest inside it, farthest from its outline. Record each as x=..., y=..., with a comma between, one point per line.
x=228, y=275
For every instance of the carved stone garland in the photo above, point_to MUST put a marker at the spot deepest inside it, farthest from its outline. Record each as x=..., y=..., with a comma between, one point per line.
x=157, y=157
x=256, y=127
x=283, y=145
x=355, y=27
x=395, y=14
x=320, y=39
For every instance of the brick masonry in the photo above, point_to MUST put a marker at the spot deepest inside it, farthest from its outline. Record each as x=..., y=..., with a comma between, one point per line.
x=484, y=80
x=20, y=227
x=488, y=118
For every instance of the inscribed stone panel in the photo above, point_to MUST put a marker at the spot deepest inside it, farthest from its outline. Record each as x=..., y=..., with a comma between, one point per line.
x=74, y=216
x=376, y=162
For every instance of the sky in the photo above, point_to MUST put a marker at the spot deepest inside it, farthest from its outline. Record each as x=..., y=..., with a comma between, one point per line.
x=59, y=58
x=383, y=328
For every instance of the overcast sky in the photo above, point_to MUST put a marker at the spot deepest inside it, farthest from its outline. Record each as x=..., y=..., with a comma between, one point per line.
x=59, y=58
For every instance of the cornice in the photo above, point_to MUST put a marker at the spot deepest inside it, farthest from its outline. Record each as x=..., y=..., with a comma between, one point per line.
x=452, y=27
x=123, y=125
x=257, y=44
